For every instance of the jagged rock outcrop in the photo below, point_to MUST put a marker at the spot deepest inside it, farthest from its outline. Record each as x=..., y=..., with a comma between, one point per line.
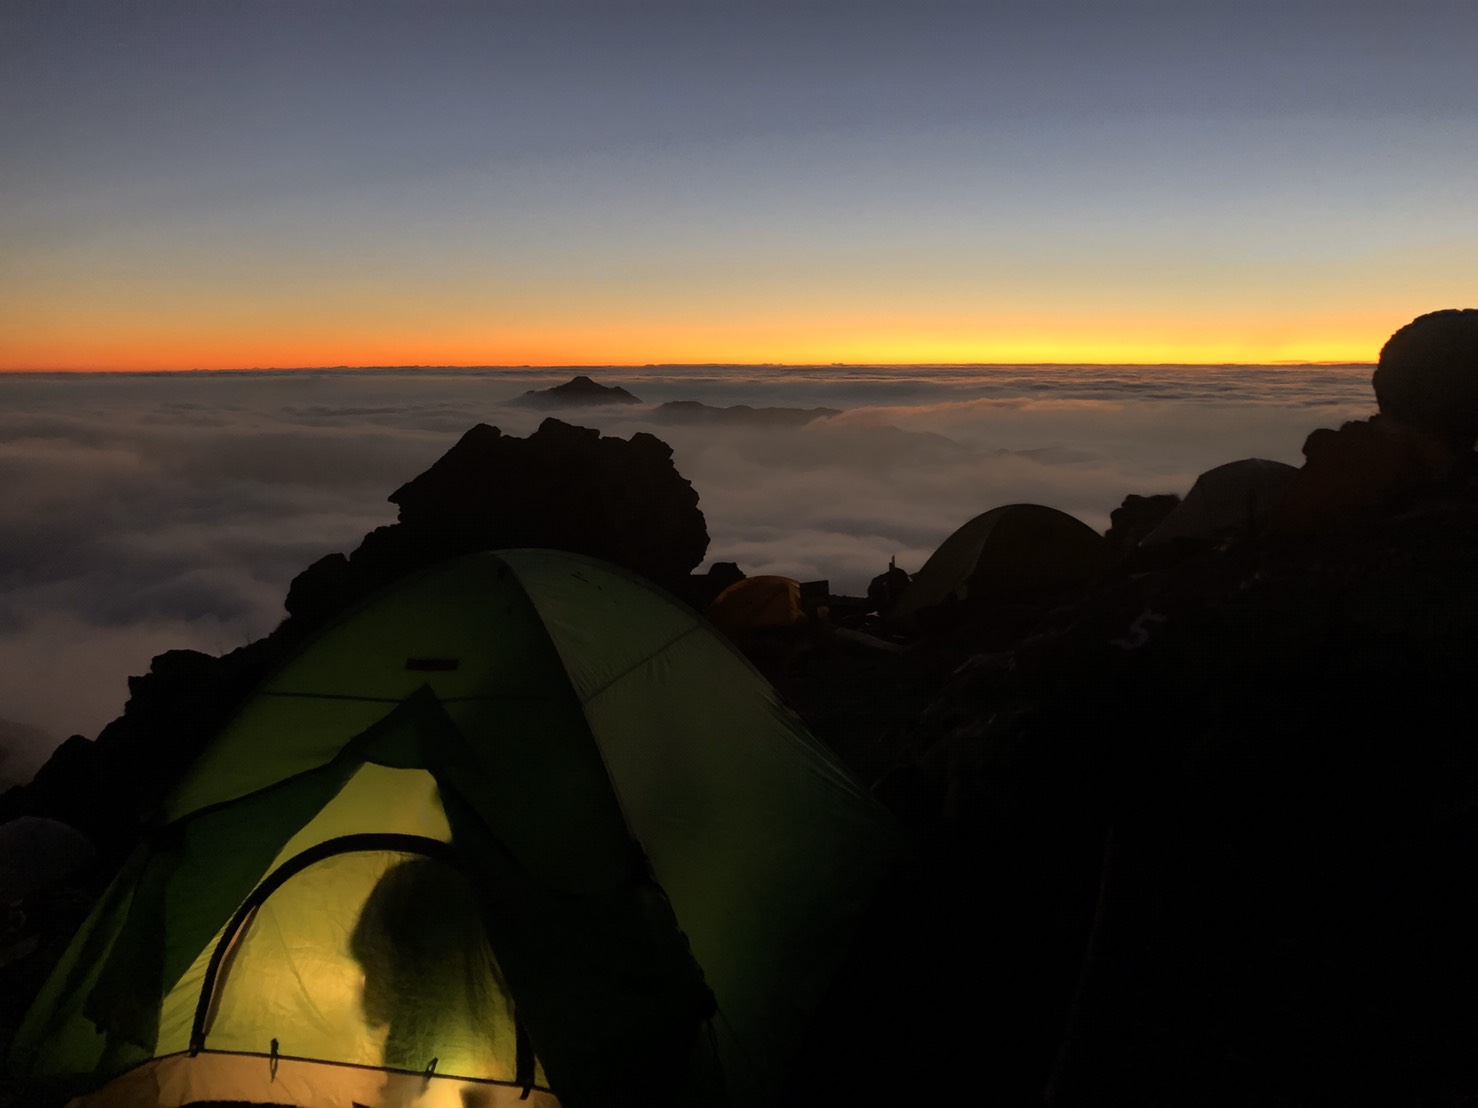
x=1366, y=468
x=577, y=392
x=703, y=588
x=564, y=487
x=1135, y=517
x=105, y=786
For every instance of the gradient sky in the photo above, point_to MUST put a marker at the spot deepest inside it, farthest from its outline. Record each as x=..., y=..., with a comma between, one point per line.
x=546, y=182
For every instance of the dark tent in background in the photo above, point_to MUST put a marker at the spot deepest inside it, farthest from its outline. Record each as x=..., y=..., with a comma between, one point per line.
x=520, y=827
x=1012, y=552
x=36, y=853
x=1235, y=499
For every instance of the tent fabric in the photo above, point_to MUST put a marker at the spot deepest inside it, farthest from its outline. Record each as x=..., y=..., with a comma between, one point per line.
x=757, y=604
x=639, y=868
x=1235, y=498
x=1012, y=551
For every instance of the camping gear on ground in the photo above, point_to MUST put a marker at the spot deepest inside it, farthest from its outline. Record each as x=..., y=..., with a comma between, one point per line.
x=1232, y=500
x=1012, y=552
x=520, y=827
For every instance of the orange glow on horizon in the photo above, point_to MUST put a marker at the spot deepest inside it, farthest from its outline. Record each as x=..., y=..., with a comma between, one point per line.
x=854, y=342
x=736, y=319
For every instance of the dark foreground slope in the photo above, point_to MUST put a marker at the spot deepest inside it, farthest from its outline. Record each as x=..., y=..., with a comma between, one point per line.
x=1204, y=832
x=1207, y=834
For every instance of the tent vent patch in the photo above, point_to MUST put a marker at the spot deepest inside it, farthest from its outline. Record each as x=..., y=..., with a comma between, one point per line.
x=433, y=665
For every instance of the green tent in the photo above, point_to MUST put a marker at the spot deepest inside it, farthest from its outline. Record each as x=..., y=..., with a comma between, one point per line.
x=521, y=829
x=1010, y=552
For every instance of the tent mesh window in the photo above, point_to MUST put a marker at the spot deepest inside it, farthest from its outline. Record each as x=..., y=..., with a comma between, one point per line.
x=367, y=950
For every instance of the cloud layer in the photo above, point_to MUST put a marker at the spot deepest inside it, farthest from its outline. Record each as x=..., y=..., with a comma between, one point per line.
x=149, y=512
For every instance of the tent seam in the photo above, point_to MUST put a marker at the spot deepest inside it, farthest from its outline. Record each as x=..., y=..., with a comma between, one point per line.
x=643, y=660
x=639, y=851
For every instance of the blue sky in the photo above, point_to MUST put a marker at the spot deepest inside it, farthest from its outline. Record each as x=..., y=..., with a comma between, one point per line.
x=269, y=183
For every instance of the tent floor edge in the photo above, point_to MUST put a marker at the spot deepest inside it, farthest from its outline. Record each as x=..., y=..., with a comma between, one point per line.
x=218, y=1077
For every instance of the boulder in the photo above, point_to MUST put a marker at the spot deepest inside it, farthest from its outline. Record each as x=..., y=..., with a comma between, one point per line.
x=1419, y=447
x=1427, y=376
x=563, y=487
x=1135, y=518
x=1367, y=468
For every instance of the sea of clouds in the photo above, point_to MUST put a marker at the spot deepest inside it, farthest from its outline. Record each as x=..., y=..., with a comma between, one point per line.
x=145, y=512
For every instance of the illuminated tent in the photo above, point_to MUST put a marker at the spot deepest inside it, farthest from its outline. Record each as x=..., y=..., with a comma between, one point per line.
x=759, y=603
x=1014, y=551
x=520, y=827
x=1233, y=499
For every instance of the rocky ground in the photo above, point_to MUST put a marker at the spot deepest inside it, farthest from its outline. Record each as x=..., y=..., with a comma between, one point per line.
x=1199, y=830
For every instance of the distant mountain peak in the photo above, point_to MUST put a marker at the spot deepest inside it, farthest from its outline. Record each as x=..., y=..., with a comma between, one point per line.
x=578, y=390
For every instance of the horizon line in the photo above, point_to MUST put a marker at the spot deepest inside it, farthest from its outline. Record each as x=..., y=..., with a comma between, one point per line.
x=1281, y=363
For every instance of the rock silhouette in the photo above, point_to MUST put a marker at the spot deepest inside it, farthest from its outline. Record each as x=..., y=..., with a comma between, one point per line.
x=1427, y=375
x=563, y=487
x=1420, y=446
x=1135, y=518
